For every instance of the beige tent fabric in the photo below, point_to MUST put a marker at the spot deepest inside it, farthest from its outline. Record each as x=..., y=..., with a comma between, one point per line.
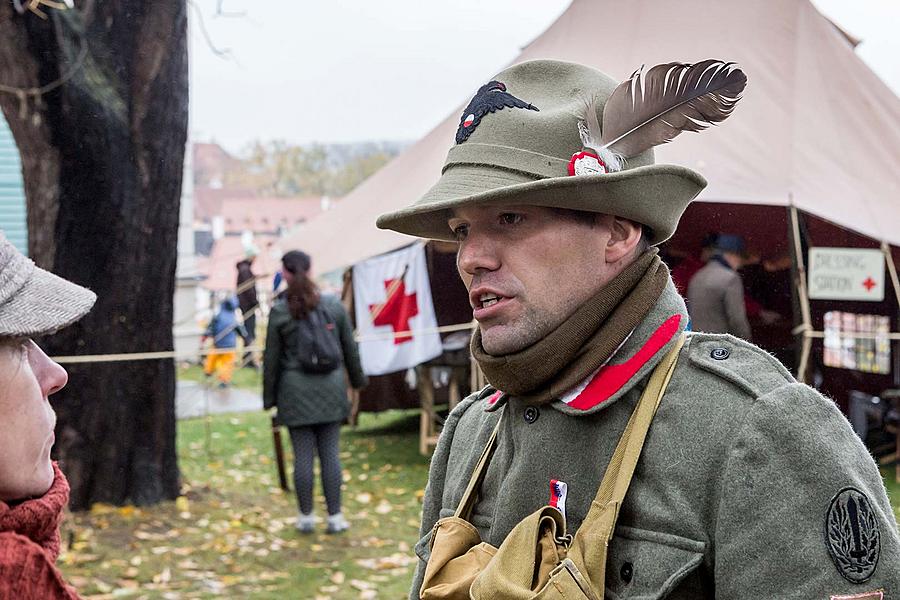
x=816, y=126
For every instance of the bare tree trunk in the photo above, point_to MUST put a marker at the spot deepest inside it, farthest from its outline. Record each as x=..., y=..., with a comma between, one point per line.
x=102, y=156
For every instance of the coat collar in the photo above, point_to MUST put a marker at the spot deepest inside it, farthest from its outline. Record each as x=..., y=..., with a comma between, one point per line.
x=629, y=365
x=638, y=356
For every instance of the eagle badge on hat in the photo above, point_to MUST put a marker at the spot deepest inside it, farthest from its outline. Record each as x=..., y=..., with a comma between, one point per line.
x=490, y=97
x=588, y=148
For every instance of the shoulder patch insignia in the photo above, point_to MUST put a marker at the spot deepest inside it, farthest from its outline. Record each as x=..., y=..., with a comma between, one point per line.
x=852, y=535
x=490, y=97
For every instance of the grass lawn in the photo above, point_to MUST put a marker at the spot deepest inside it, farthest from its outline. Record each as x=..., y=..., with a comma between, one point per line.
x=232, y=533
x=247, y=378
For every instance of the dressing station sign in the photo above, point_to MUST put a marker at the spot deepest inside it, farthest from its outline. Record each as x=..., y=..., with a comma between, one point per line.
x=846, y=274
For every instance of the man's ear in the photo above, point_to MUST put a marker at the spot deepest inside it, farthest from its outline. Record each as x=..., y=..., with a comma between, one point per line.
x=624, y=237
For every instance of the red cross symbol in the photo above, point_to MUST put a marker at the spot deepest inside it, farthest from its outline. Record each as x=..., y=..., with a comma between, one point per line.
x=397, y=309
x=869, y=283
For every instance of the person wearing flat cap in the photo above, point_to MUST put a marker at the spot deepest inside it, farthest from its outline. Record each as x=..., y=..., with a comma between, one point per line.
x=33, y=491
x=615, y=454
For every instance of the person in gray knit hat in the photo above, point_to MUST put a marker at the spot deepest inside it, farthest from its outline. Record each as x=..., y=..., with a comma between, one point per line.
x=677, y=465
x=33, y=491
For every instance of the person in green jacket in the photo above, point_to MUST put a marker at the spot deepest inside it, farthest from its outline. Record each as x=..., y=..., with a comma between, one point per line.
x=749, y=484
x=312, y=405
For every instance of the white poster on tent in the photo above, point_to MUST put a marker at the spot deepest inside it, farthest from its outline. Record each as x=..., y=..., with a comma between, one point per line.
x=846, y=274
x=395, y=316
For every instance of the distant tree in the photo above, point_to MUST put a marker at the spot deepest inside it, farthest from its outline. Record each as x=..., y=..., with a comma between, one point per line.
x=280, y=169
x=354, y=172
x=100, y=120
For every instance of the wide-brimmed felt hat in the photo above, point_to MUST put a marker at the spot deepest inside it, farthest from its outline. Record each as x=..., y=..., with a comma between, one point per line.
x=35, y=302
x=522, y=141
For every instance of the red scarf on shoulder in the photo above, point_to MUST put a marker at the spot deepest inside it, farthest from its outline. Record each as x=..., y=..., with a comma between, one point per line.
x=29, y=544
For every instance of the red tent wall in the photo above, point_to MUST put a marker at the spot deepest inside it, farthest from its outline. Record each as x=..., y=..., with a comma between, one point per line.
x=765, y=228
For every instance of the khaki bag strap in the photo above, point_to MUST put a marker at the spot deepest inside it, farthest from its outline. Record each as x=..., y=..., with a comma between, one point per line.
x=625, y=458
x=470, y=496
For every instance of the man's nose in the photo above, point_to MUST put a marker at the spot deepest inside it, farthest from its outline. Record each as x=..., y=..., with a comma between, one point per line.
x=477, y=253
x=51, y=376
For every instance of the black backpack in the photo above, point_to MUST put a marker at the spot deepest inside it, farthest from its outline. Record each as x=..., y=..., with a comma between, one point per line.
x=318, y=347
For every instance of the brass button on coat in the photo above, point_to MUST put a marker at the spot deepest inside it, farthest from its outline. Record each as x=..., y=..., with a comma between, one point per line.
x=531, y=414
x=720, y=353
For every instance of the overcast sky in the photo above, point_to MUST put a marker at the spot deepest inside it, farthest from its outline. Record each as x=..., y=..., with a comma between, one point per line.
x=351, y=70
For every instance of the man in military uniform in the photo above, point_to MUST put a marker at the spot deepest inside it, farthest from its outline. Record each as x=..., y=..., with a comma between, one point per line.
x=749, y=484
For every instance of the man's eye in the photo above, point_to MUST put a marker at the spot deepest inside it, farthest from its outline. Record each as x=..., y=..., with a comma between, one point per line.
x=460, y=232
x=511, y=218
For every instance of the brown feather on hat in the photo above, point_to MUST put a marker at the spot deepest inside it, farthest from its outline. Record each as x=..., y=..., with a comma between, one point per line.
x=538, y=157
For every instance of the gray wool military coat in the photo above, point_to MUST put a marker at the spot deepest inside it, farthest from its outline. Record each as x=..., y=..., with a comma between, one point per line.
x=716, y=301
x=750, y=485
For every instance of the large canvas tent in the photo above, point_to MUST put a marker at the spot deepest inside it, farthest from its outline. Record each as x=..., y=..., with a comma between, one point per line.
x=817, y=134
x=816, y=127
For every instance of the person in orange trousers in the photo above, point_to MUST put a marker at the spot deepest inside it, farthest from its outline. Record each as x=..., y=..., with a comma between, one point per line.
x=223, y=328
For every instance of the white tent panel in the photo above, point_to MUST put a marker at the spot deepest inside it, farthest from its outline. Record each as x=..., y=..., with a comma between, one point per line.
x=816, y=127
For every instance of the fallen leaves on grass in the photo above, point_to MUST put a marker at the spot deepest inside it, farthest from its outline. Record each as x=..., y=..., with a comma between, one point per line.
x=384, y=563
x=231, y=532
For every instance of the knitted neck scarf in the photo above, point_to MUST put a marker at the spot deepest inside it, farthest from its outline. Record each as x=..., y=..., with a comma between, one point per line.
x=581, y=344
x=38, y=519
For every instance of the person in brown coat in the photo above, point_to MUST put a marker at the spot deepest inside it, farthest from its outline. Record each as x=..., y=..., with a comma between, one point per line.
x=248, y=300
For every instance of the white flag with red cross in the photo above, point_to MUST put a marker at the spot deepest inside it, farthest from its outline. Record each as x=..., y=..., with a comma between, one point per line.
x=395, y=316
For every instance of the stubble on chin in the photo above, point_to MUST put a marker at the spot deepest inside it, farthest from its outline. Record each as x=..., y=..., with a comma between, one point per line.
x=509, y=338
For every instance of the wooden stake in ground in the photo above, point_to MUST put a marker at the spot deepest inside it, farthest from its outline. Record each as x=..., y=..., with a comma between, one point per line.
x=279, y=454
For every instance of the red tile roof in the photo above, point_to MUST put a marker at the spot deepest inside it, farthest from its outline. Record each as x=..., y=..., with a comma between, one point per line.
x=220, y=270
x=267, y=215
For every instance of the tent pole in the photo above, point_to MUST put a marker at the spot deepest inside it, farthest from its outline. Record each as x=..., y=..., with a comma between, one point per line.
x=804, y=358
x=804, y=298
x=892, y=269
x=347, y=299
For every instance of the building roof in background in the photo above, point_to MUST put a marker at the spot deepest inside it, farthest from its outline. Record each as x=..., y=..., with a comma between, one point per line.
x=268, y=215
x=220, y=268
x=208, y=201
x=816, y=128
x=210, y=163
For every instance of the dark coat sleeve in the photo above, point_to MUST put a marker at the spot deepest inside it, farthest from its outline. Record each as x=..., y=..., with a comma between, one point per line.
x=358, y=378
x=272, y=359
x=795, y=453
x=211, y=327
